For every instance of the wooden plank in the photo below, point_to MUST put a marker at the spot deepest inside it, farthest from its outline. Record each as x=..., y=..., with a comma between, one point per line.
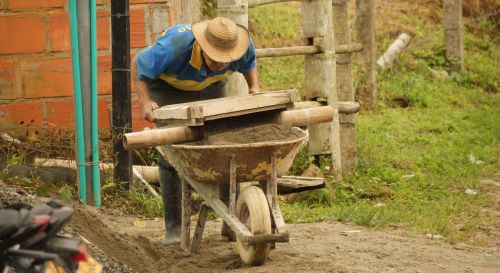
x=291, y=184
x=225, y=107
x=184, y=112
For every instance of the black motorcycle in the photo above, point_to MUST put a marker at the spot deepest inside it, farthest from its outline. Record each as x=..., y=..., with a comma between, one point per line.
x=31, y=241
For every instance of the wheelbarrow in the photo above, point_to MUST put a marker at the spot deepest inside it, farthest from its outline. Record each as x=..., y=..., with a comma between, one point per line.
x=254, y=216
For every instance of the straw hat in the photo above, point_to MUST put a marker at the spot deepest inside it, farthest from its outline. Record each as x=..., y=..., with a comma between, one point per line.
x=221, y=39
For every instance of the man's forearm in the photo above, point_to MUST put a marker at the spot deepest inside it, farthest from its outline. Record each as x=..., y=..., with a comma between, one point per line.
x=141, y=88
x=252, y=79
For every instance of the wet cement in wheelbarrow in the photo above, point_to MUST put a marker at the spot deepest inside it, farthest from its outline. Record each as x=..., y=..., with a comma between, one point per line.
x=244, y=133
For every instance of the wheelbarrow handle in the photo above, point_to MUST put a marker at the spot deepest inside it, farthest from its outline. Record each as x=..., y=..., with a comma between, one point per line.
x=166, y=136
x=159, y=137
x=303, y=117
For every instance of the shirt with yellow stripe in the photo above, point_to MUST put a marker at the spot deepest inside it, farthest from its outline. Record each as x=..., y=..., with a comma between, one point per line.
x=177, y=59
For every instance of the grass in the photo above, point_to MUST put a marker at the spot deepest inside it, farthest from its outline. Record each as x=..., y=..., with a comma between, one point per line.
x=415, y=148
x=426, y=141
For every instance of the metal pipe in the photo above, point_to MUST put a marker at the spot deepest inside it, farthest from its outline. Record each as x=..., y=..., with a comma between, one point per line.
x=78, y=101
x=83, y=28
x=96, y=179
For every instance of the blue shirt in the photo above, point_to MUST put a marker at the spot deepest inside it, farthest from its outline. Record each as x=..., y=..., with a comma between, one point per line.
x=177, y=59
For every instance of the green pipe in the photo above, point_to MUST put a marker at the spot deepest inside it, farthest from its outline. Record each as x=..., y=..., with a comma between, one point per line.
x=96, y=186
x=78, y=102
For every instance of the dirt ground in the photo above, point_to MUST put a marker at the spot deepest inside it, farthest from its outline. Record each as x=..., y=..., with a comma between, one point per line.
x=319, y=247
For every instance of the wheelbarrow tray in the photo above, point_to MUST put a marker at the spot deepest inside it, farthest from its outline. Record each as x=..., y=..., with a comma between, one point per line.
x=210, y=163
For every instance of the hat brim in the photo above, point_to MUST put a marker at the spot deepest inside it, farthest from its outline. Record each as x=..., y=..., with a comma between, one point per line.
x=222, y=55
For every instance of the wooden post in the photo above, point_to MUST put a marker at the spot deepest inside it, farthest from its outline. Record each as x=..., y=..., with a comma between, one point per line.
x=454, y=34
x=186, y=11
x=236, y=10
x=344, y=85
x=320, y=75
x=121, y=95
x=365, y=29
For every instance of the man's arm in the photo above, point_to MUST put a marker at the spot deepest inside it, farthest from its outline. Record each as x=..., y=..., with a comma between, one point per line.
x=142, y=91
x=252, y=79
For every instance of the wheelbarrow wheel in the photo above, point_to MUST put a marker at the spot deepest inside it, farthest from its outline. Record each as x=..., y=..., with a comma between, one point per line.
x=253, y=211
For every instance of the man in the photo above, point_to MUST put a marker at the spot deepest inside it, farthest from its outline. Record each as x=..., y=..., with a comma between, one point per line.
x=190, y=63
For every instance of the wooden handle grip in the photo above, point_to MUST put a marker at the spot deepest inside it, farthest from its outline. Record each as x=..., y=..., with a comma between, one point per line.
x=159, y=137
x=307, y=116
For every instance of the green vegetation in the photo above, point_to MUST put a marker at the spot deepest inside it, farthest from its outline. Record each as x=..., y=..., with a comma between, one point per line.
x=426, y=141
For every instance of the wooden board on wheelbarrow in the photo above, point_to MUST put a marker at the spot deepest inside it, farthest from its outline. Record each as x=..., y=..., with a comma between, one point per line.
x=196, y=113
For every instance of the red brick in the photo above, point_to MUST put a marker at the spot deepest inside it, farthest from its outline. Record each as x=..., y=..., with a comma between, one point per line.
x=59, y=31
x=147, y=1
x=22, y=34
x=8, y=87
x=21, y=114
x=104, y=118
x=61, y=114
x=103, y=27
x=47, y=77
x=104, y=75
x=104, y=65
x=60, y=36
x=138, y=121
x=33, y=4
x=137, y=28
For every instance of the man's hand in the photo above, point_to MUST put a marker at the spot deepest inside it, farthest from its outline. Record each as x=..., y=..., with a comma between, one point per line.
x=149, y=106
x=253, y=91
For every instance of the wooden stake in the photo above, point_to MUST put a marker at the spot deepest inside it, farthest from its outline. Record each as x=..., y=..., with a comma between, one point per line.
x=320, y=72
x=344, y=85
x=186, y=11
x=365, y=29
x=454, y=34
x=236, y=10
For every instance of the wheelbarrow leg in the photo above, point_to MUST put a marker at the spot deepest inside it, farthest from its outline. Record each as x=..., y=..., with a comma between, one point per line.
x=271, y=190
x=229, y=197
x=200, y=226
x=186, y=216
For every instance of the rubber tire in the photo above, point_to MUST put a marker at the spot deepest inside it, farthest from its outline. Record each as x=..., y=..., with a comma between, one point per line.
x=252, y=204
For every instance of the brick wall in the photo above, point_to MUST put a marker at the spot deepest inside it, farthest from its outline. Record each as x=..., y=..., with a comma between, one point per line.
x=36, y=81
